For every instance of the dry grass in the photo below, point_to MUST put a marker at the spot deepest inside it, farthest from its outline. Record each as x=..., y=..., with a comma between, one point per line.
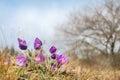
x=71, y=71
x=85, y=72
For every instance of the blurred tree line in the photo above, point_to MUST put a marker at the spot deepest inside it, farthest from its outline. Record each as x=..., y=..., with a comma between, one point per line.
x=93, y=32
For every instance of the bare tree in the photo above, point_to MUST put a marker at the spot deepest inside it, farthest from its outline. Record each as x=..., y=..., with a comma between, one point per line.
x=94, y=32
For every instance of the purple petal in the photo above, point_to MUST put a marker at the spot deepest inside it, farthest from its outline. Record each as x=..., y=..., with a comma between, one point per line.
x=61, y=59
x=19, y=57
x=53, y=49
x=54, y=67
x=37, y=60
x=21, y=60
x=40, y=58
x=21, y=63
x=54, y=55
x=22, y=44
x=37, y=44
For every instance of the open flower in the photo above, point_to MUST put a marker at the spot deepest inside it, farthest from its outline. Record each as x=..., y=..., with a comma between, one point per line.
x=37, y=44
x=21, y=60
x=61, y=59
x=53, y=49
x=40, y=58
x=22, y=44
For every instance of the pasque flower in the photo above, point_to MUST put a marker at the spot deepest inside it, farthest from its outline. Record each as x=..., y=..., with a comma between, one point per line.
x=61, y=59
x=40, y=58
x=22, y=44
x=21, y=60
x=37, y=44
x=53, y=56
x=53, y=49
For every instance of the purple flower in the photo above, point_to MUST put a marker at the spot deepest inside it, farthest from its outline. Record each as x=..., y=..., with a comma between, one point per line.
x=37, y=44
x=54, y=67
x=54, y=55
x=52, y=49
x=61, y=59
x=40, y=58
x=21, y=60
x=22, y=44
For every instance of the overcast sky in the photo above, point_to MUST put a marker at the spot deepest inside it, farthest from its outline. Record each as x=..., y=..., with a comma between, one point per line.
x=28, y=19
